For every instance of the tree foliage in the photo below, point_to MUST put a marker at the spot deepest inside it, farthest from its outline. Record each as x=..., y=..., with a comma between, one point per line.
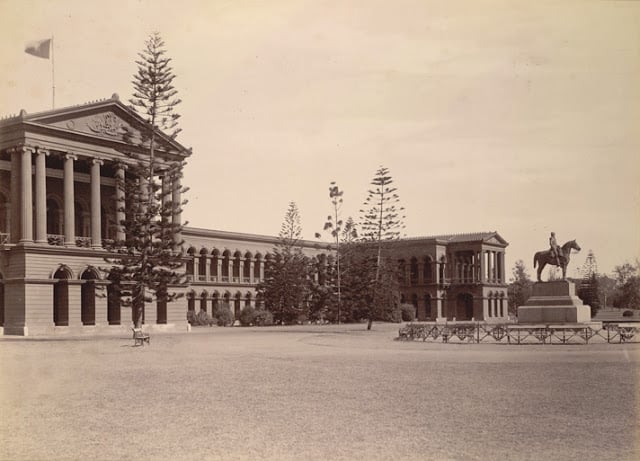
x=145, y=263
x=589, y=293
x=519, y=287
x=288, y=273
x=627, y=293
x=370, y=290
x=381, y=222
x=327, y=296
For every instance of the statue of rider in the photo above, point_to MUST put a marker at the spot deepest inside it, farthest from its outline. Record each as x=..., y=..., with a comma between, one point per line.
x=556, y=250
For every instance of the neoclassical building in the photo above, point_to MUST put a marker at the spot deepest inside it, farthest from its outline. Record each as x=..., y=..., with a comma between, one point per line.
x=58, y=195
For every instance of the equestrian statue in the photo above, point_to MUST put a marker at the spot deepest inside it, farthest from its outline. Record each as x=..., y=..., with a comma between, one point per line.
x=557, y=256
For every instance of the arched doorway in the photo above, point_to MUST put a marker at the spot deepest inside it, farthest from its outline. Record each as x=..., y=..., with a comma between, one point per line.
x=88, y=297
x=215, y=303
x=113, y=301
x=61, y=297
x=427, y=307
x=464, y=306
x=203, y=300
x=236, y=305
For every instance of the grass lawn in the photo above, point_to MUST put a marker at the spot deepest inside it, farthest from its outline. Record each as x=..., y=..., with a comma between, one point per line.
x=317, y=392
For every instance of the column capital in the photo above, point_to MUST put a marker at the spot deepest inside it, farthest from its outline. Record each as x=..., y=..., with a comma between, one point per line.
x=97, y=161
x=21, y=149
x=69, y=156
x=41, y=150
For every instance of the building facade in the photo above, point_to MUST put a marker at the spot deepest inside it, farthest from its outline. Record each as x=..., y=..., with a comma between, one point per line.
x=58, y=196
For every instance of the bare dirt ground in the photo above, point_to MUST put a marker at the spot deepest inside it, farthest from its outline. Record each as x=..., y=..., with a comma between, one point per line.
x=317, y=392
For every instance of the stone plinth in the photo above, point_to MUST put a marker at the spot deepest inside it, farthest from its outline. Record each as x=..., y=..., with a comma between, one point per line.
x=554, y=302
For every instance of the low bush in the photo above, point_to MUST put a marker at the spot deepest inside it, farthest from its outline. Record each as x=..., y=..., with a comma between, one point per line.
x=200, y=319
x=407, y=312
x=224, y=316
x=262, y=318
x=247, y=316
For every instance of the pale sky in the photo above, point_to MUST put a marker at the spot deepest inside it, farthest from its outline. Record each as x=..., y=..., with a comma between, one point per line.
x=521, y=117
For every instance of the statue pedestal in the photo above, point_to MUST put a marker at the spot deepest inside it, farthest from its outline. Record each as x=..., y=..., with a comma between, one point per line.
x=554, y=302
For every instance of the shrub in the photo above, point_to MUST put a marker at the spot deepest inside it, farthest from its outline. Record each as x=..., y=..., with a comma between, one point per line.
x=247, y=316
x=262, y=318
x=224, y=315
x=199, y=319
x=627, y=313
x=407, y=312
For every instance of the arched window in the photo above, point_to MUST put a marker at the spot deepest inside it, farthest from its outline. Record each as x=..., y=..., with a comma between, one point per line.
x=427, y=271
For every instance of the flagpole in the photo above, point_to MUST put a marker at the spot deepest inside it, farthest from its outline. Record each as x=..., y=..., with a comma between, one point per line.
x=53, y=77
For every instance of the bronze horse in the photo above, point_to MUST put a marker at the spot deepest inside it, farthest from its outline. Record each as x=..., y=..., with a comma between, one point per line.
x=542, y=258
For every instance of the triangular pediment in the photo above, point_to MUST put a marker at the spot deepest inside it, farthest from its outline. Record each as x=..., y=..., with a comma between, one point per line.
x=108, y=119
x=496, y=239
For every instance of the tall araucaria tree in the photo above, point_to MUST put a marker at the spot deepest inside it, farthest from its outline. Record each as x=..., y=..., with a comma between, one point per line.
x=147, y=257
x=334, y=223
x=287, y=283
x=382, y=222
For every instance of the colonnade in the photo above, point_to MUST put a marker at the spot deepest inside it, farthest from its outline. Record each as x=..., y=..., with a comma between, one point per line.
x=28, y=198
x=486, y=266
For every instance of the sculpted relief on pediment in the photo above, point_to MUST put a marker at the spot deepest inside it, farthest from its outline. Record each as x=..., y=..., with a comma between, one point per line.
x=106, y=125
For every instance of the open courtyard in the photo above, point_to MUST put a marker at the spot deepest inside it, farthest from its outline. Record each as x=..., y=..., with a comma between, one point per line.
x=314, y=392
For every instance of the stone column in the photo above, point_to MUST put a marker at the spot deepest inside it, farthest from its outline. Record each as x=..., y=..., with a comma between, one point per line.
x=41, y=196
x=120, y=202
x=502, y=271
x=26, y=196
x=436, y=271
x=439, y=307
x=261, y=270
x=219, y=268
x=489, y=266
x=196, y=267
x=252, y=266
x=96, y=218
x=69, y=202
x=485, y=307
x=14, y=230
x=241, y=271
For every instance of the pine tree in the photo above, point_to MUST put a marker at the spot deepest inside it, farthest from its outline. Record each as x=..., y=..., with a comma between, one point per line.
x=382, y=222
x=334, y=223
x=146, y=263
x=287, y=285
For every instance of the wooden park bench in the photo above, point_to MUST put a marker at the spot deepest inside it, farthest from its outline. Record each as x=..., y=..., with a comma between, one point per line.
x=139, y=337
